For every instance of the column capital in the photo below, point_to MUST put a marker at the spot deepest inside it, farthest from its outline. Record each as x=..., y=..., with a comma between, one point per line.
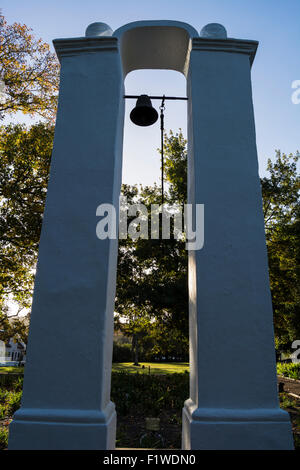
x=240, y=46
x=74, y=46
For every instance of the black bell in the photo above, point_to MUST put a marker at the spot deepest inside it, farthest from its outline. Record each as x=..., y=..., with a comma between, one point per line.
x=143, y=114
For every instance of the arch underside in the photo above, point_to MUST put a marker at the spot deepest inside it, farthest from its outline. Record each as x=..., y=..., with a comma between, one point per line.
x=155, y=45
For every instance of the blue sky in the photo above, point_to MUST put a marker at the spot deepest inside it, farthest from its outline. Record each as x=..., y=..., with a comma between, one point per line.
x=274, y=23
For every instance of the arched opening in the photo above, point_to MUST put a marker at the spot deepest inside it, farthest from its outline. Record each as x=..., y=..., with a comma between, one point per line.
x=141, y=162
x=147, y=416
x=152, y=290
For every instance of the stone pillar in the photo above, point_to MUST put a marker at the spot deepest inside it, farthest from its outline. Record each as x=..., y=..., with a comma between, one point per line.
x=233, y=400
x=66, y=398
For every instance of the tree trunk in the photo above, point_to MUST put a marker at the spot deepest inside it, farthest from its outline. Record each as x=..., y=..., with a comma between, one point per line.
x=135, y=346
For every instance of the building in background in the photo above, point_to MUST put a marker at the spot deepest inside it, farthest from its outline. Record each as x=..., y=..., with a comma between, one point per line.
x=12, y=352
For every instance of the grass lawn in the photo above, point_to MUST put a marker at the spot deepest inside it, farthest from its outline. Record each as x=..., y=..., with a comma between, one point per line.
x=11, y=370
x=155, y=367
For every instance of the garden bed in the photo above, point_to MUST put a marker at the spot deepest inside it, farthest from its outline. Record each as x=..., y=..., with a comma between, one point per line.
x=138, y=396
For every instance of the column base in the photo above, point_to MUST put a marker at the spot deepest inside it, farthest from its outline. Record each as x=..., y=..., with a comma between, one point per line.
x=248, y=429
x=43, y=429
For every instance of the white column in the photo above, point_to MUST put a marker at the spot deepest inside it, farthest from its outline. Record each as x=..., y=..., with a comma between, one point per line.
x=233, y=400
x=66, y=398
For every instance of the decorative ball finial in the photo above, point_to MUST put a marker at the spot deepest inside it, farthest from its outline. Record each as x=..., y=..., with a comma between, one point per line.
x=98, y=29
x=213, y=30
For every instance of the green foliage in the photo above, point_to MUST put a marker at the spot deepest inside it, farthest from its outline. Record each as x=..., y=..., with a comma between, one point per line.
x=24, y=169
x=152, y=290
x=16, y=328
x=292, y=406
x=289, y=370
x=168, y=342
x=12, y=402
x=10, y=395
x=29, y=77
x=11, y=370
x=152, y=274
x=28, y=73
x=280, y=192
x=122, y=352
x=134, y=395
x=152, y=440
x=287, y=401
x=297, y=441
x=3, y=396
x=151, y=394
x=3, y=437
x=281, y=211
x=14, y=381
x=176, y=166
x=137, y=326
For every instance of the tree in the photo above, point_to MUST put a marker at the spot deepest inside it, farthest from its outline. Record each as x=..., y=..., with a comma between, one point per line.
x=28, y=73
x=280, y=192
x=24, y=169
x=168, y=342
x=16, y=328
x=176, y=166
x=281, y=211
x=29, y=76
x=137, y=325
x=152, y=274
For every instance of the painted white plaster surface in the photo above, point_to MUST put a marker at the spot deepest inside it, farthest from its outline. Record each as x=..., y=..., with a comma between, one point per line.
x=233, y=389
x=98, y=29
x=213, y=30
x=66, y=399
